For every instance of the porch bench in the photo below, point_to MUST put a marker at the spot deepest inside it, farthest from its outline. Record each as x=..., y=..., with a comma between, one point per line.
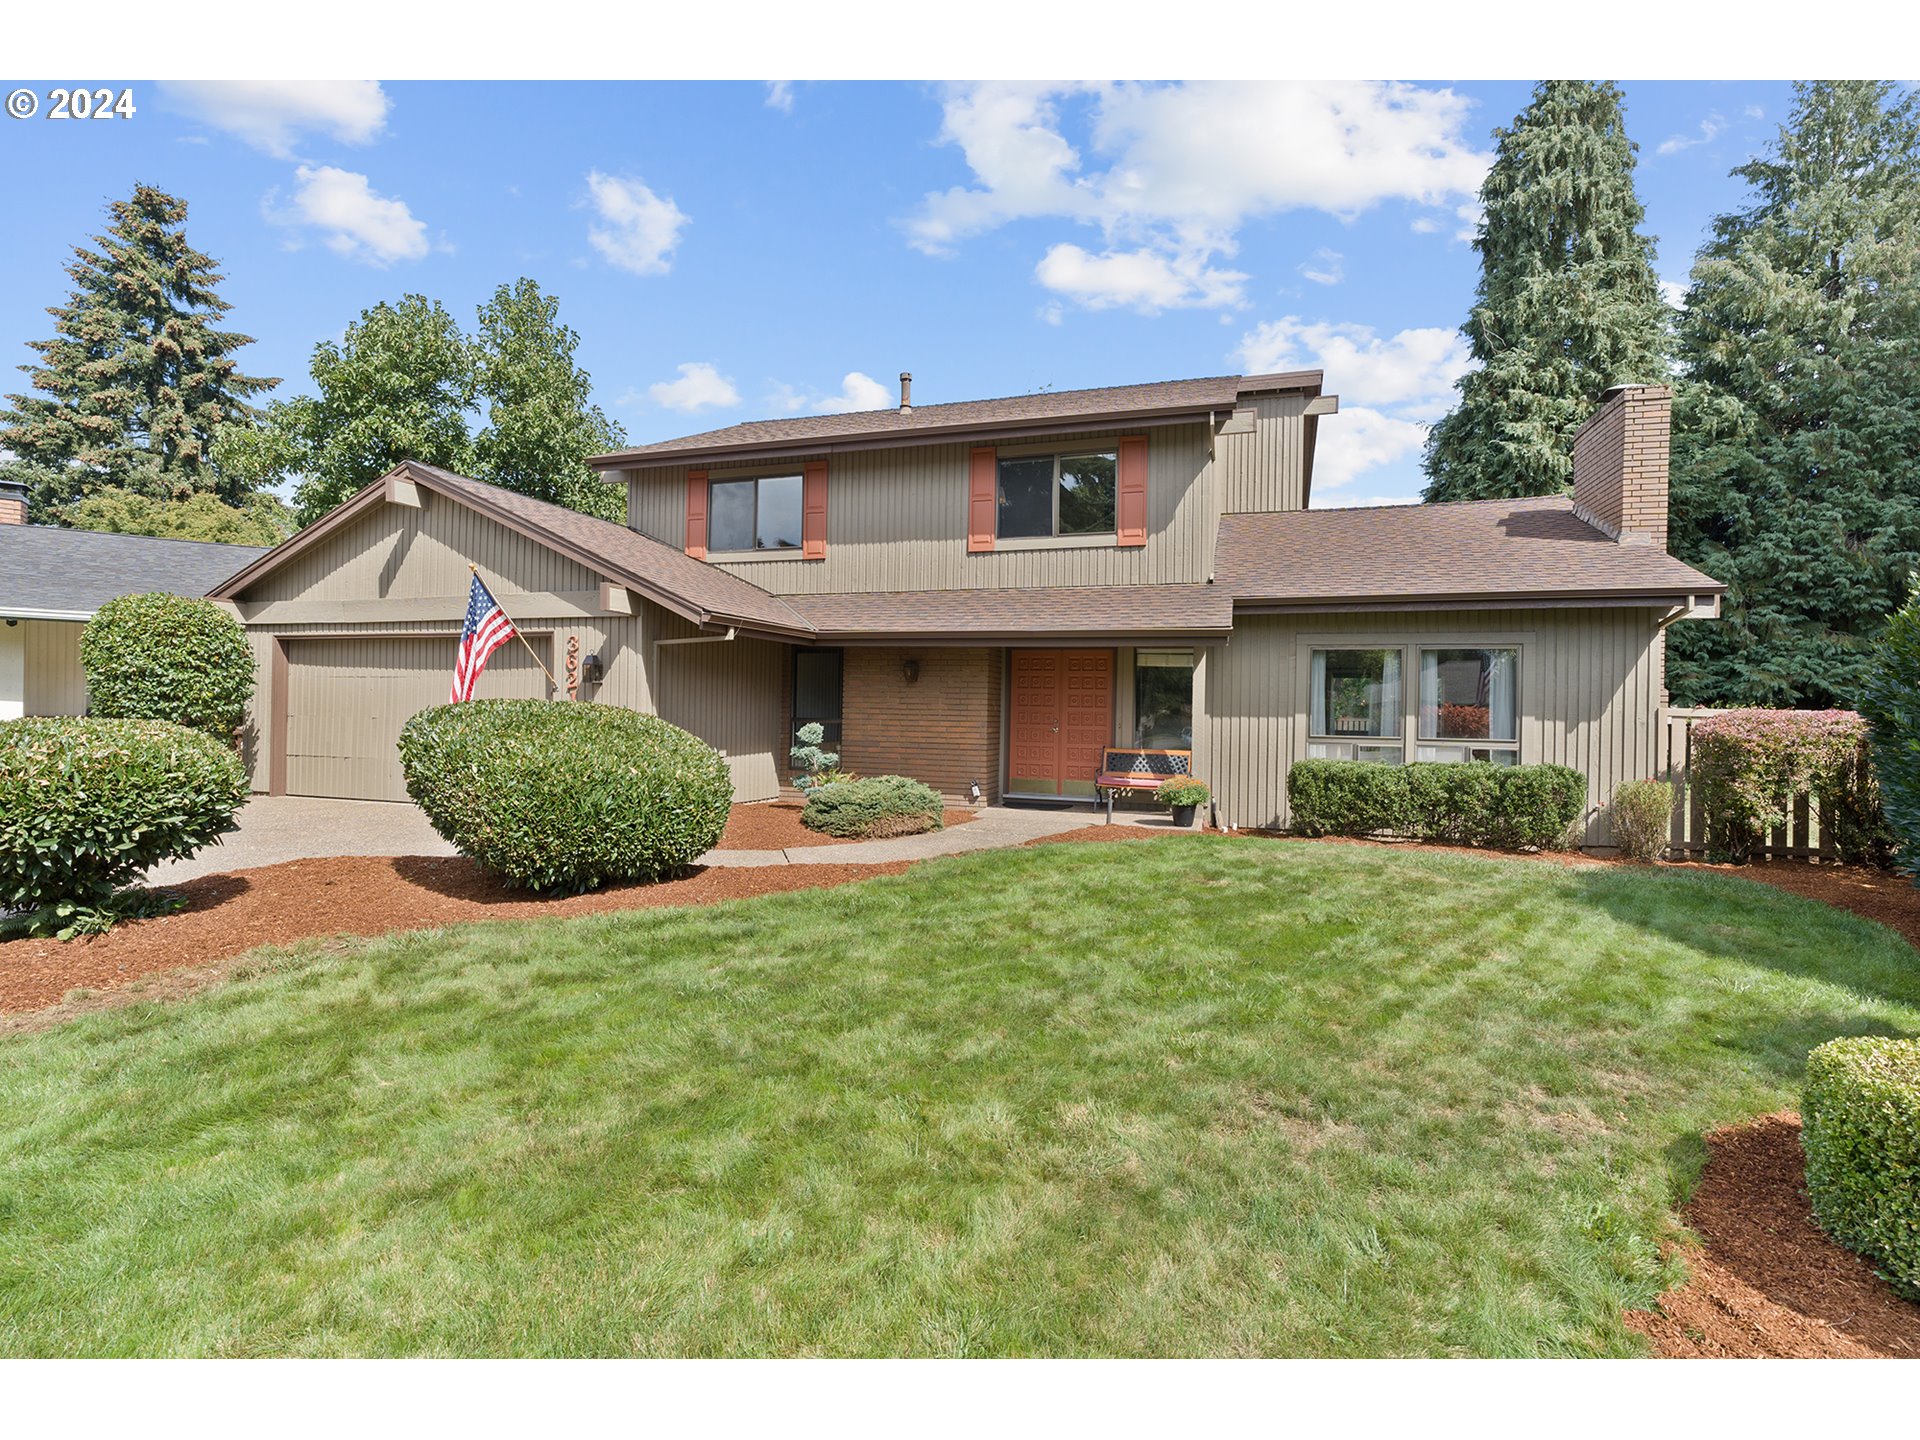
x=1134, y=769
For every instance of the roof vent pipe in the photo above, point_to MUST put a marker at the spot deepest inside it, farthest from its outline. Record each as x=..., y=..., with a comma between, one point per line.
x=906, y=391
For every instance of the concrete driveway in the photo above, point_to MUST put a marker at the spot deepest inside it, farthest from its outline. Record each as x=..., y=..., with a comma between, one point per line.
x=274, y=828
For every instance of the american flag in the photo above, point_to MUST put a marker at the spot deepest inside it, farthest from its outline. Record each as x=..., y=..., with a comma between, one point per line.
x=487, y=629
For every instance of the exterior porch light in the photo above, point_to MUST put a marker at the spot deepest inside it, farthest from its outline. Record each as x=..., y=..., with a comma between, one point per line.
x=973, y=791
x=910, y=670
x=592, y=671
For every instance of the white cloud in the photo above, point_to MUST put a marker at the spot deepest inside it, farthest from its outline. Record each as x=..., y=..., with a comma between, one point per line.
x=269, y=114
x=1146, y=280
x=355, y=220
x=1053, y=312
x=700, y=387
x=1470, y=217
x=1180, y=168
x=1327, y=267
x=780, y=96
x=1392, y=388
x=639, y=230
x=1710, y=129
x=1425, y=225
x=1411, y=372
x=857, y=392
x=1754, y=112
x=1674, y=292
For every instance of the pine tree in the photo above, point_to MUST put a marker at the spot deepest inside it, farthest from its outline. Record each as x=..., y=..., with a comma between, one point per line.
x=1797, y=433
x=1567, y=304
x=137, y=383
x=541, y=419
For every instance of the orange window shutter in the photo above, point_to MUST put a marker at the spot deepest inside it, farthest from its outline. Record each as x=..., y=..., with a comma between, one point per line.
x=983, y=506
x=697, y=514
x=813, y=511
x=1131, y=519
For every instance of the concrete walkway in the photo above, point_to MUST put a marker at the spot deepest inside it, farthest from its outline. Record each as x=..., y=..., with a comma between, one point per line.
x=277, y=828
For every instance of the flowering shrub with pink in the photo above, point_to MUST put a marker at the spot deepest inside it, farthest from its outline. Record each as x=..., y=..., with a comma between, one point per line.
x=1750, y=765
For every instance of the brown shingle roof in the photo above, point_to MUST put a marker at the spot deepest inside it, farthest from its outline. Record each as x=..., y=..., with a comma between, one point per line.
x=1118, y=402
x=1498, y=550
x=1106, y=611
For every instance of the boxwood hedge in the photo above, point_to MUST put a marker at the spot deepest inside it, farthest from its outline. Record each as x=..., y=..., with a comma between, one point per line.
x=873, y=808
x=1509, y=807
x=1860, y=1119
x=88, y=805
x=566, y=796
x=168, y=657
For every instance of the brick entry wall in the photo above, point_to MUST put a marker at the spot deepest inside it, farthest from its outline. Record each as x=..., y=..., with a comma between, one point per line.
x=943, y=729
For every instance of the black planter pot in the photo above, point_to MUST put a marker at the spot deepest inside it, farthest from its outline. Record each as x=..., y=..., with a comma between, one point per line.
x=1183, y=816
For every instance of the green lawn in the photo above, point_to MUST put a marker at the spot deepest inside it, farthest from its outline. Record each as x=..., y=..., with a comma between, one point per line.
x=1187, y=1097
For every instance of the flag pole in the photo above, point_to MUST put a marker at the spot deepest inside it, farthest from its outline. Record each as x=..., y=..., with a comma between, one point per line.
x=516, y=630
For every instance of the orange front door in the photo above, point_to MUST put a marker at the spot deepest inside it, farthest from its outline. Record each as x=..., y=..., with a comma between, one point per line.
x=1060, y=718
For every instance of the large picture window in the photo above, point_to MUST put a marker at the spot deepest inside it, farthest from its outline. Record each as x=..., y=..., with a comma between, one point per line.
x=758, y=514
x=1041, y=496
x=1163, y=699
x=1467, y=706
x=816, y=692
x=1354, y=706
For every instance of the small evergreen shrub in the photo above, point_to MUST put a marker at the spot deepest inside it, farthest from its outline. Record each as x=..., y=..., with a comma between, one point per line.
x=1508, y=807
x=1860, y=1128
x=168, y=657
x=558, y=795
x=813, y=766
x=88, y=805
x=1890, y=700
x=1642, y=815
x=1749, y=767
x=873, y=809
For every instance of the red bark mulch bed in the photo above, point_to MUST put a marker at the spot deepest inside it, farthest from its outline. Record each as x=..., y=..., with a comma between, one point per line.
x=229, y=914
x=775, y=825
x=1768, y=1283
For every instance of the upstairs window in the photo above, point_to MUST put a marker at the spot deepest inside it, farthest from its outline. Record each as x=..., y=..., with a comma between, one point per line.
x=1041, y=496
x=759, y=514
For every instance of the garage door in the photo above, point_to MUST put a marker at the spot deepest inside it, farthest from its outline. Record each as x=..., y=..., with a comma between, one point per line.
x=347, y=699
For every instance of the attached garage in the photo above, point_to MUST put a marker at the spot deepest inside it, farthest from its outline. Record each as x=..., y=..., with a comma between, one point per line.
x=355, y=623
x=348, y=697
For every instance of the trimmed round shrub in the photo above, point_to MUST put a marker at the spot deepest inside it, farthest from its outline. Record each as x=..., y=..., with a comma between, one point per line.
x=168, y=657
x=1507, y=807
x=88, y=805
x=1860, y=1128
x=1642, y=815
x=560, y=795
x=874, y=808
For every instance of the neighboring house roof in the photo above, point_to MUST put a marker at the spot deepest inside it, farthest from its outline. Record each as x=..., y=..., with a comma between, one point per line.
x=1504, y=552
x=1122, y=404
x=1098, y=612
x=49, y=573
x=691, y=588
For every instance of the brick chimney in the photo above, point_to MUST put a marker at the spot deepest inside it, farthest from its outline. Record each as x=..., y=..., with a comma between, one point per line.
x=13, y=502
x=1620, y=464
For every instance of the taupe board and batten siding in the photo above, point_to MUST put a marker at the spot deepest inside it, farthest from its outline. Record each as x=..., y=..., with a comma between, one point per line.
x=1265, y=469
x=1590, y=686
x=897, y=520
x=347, y=700
x=731, y=693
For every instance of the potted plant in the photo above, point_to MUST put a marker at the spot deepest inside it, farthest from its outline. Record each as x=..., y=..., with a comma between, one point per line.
x=1183, y=796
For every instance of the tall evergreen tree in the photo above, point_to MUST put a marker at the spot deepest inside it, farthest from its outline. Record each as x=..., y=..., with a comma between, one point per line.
x=136, y=384
x=542, y=423
x=1797, y=433
x=1567, y=304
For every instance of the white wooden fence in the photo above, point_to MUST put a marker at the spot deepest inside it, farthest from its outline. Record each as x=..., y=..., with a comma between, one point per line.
x=1801, y=838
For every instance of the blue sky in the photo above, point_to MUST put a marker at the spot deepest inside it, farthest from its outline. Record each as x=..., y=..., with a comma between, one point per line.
x=730, y=251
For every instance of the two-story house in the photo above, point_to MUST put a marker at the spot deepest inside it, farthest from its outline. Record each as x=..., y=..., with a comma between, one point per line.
x=984, y=594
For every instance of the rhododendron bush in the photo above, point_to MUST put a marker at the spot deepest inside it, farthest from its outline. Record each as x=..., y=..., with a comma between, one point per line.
x=1749, y=767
